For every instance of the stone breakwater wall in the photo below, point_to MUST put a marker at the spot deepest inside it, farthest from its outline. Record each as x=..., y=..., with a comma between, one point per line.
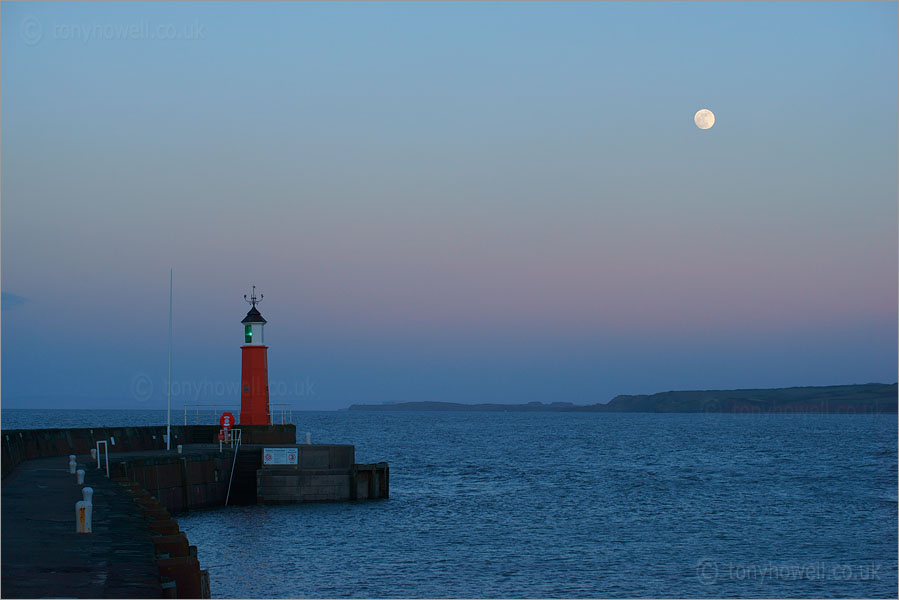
x=179, y=568
x=180, y=482
x=17, y=445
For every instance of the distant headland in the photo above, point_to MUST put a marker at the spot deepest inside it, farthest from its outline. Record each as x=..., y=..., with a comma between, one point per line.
x=864, y=398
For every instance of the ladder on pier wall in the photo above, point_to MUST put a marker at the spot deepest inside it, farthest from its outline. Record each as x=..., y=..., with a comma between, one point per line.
x=243, y=484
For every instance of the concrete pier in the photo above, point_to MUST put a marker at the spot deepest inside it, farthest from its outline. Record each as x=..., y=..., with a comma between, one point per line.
x=136, y=549
x=322, y=473
x=198, y=476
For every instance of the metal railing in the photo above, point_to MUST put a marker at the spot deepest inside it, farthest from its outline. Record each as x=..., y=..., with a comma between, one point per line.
x=106, y=452
x=285, y=410
x=212, y=412
x=229, y=437
x=208, y=411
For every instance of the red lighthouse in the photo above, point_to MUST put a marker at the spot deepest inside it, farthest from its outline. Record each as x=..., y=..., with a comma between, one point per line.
x=254, y=368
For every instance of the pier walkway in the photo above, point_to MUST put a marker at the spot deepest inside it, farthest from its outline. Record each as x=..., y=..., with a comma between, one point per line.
x=42, y=556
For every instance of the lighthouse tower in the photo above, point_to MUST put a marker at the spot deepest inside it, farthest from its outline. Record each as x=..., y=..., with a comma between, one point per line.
x=254, y=368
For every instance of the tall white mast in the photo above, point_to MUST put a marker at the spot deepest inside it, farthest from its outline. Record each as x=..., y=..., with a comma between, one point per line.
x=168, y=421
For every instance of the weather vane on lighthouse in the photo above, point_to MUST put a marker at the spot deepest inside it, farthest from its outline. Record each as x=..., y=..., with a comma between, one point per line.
x=252, y=299
x=254, y=408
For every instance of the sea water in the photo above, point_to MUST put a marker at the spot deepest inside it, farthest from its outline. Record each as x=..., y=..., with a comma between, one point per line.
x=496, y=504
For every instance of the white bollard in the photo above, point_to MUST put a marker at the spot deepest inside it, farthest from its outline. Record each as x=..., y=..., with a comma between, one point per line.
x=308, y=438
x=83, y=514
x=93, y=454
x=88, y=494
x=180, y=447
x=72, y=464
x=79, y=476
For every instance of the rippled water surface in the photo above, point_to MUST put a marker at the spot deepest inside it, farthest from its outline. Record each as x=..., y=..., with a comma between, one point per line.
x=577, y=505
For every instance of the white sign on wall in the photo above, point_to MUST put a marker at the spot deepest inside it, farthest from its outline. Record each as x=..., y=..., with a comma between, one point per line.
x=279, y=456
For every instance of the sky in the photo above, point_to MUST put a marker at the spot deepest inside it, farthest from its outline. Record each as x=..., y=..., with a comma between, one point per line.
x=469, y=202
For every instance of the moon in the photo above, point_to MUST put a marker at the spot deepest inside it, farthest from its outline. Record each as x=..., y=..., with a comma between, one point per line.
x=704, y=118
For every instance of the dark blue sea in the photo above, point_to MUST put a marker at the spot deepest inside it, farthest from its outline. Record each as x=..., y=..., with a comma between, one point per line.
x=553, y=505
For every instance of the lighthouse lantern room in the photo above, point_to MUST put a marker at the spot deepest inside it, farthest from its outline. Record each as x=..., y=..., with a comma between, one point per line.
x=254, y=408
